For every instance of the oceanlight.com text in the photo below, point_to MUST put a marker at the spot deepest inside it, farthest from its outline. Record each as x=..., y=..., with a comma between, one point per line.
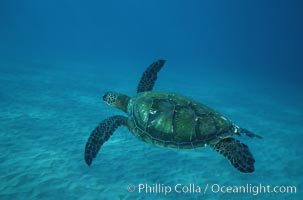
x=253, y=189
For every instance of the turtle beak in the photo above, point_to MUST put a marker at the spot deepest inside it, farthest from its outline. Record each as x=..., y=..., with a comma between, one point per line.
x=104, y=98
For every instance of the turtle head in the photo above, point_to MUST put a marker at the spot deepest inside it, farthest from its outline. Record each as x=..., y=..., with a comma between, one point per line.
x=116, y=100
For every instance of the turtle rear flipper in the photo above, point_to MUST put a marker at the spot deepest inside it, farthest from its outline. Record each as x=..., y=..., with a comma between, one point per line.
x=149, y=77
x=100, y=135
x=237, y=153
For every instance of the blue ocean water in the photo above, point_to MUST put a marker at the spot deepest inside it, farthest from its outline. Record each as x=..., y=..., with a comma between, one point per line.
x=57, y=58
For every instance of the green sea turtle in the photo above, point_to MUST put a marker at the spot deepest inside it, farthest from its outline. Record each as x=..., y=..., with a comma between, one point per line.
x=171, y=120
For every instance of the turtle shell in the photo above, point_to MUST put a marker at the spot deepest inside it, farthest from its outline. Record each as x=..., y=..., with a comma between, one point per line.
x=172, y=120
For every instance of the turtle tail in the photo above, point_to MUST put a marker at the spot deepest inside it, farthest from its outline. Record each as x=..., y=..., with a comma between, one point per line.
x=249, y=134
x=238, y=131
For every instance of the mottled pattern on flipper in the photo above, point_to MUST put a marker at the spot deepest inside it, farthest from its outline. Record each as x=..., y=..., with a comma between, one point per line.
x=100, y=135
x=237, y=153
x=149, y=77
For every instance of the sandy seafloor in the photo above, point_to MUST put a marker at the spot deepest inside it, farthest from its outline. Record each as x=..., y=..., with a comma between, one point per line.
x=48, y=111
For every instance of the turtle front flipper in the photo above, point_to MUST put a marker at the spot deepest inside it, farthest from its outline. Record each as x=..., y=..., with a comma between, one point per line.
x=100, y=135
x=237, y=153
x=149, y=77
